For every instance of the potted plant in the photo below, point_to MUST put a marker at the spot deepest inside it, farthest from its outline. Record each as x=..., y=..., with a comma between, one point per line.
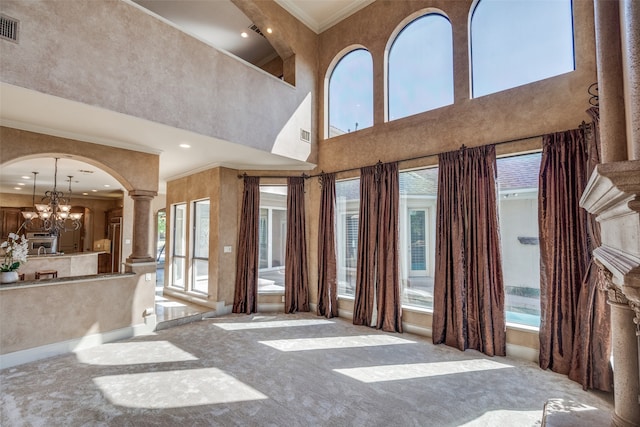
x=14, y=250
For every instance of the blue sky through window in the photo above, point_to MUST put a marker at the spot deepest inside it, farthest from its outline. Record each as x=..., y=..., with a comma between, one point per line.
x=515, y=42
x=421, y=67
x=351, y=93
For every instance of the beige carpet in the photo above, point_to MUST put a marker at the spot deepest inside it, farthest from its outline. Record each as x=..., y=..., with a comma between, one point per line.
x=282, y=370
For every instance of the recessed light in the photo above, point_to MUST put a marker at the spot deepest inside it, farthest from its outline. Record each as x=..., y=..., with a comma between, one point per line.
x=25, y=177
x=85, y=194
x=183, y=145
x=21, y=183
x=17, y=188
x=107, y=185
x=269, y=30
x=94, y=191
x=244, y=35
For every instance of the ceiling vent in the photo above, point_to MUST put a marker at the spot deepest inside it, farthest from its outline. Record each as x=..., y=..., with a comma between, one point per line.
x=255, y=29
x=8, y=28
x=305, y=135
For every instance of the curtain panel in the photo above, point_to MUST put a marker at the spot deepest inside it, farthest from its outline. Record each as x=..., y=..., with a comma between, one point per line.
x=564, y=251
x=296, y=284
x=327, y=264
x=246, y=292
x=377, y=299
x=468, y=302
x=590, y=362
x=367, y=245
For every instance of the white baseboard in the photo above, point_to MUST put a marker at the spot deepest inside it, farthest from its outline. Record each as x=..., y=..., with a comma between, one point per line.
x=55, y=349
x=418, y=330
x=521, y=352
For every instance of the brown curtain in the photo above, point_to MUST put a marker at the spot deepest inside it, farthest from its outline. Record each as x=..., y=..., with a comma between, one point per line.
x=296, y=280
x=377, y=277
x=468, y=287
x=367, y=228
x=387, y=272
x=246, y=292
x=590, y=364
x=564, y=252
x=327, y=270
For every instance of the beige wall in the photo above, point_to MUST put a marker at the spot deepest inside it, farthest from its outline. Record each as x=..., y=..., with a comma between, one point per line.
x=550, y=105
x=220, y=186
x=112, y=54
x=67, y=311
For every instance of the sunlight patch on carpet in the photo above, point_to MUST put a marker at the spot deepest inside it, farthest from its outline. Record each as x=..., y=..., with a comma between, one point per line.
x=133, y=353
x=503, y=417
x=175, y=389
x=238, y=326
x=301, y=344
x=372, y=374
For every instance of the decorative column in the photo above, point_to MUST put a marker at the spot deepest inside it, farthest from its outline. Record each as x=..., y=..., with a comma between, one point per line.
x=141, y=225
x=630, y=40
x=613, y=196
x=610, y=81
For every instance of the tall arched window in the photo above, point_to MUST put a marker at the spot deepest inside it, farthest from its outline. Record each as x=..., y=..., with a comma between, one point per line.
x=518, y=42
x=351, y=93
x=421, y=67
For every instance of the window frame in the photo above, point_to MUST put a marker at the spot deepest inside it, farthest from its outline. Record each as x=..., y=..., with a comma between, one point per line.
x=183, y=243
x=194, y=258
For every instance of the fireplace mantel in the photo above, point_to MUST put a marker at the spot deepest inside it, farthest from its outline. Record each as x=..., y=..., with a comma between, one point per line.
x=613, y=196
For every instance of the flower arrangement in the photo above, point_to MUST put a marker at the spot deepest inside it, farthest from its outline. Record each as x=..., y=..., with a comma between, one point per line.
x=15, y=250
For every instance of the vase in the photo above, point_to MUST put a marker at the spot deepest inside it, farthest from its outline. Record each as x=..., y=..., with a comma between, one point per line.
x=8, y=276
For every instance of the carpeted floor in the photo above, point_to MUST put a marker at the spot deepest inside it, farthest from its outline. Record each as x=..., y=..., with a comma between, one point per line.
x=282, y=370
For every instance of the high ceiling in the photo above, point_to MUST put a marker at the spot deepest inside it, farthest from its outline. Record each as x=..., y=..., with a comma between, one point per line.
x=217, y=22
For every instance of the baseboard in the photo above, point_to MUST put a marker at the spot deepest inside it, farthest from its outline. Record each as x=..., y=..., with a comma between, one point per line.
x=269, y=307
x=417, y=330
x=56, y=349
x=520, y=352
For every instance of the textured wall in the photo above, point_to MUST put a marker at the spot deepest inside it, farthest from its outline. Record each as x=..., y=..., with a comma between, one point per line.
x=67, y=311
x=550, y=105
x=112, y=54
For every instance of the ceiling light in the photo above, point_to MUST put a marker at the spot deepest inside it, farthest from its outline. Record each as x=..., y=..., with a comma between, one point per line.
x=94, y=191
x=25, y=177
x=21, y=183
x=184, y=145
x=85, y=194
x=107, y=185
x=244, y=35
x=269, y=30
x=18, y=188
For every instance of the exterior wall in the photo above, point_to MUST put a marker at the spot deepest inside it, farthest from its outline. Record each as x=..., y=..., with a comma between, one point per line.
x=114, y=55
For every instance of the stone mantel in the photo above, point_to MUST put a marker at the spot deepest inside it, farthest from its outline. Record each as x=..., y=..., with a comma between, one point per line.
x=613, y=196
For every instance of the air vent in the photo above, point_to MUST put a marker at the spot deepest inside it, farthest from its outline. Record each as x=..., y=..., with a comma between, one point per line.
x=305, y=135
x=255, y=29
x=8, y=28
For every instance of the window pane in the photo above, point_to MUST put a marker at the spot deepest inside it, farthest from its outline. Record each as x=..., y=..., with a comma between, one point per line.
x=519, y=42
x=347, y=210
x=417, y=220
x=177, y=272
x=351, y=93
x=201, y=275
x=518, y=190
x=421, y=67
x=272, y=238
x=180, y=230
x=201, y=225
x=200, y=257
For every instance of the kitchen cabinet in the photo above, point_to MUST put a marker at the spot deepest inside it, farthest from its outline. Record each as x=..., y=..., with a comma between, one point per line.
x=10, y=221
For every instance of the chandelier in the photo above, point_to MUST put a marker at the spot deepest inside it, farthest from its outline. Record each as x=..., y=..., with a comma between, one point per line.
x=54, y=209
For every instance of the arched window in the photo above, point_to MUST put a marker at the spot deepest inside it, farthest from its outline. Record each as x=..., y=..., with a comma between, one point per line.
x=421, y=67
x=518, y=42
x=351, y=93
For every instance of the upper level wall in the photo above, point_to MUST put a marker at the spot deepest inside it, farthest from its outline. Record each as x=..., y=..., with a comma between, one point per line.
x=114, y=55
x=550, y=105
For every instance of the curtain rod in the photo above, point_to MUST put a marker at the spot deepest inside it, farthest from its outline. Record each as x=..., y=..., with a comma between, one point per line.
x=426, y=156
